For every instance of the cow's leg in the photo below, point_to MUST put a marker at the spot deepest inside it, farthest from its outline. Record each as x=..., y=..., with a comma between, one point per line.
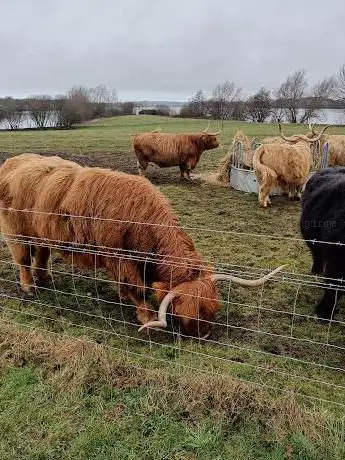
x=264, y=195
x=327, y=306
x=142, y=162
x=317, y=267
x=132, y=288
x=298, y=193
x=183, y=170
x=21, y=255
x=190, y=166
x=291, y=193
x=142, y=166
x=40, y=265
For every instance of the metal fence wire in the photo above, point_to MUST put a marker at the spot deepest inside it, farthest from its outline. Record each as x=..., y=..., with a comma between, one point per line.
x=266, y=336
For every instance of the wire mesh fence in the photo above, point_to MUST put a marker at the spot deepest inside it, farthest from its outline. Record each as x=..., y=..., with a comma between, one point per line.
x=266, y=335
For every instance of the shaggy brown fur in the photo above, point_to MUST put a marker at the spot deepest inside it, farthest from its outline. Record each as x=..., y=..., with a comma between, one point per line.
x=183, y=150
x=144, y=222
x=336, y=142
x=224, y=168
x=282, y=165
x=274, y=140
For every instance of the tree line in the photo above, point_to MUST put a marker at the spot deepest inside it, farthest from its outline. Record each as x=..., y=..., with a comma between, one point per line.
x=294, y=101
x=78, y=105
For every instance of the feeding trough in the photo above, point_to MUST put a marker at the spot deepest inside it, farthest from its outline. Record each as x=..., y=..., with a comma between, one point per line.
x=243, y=178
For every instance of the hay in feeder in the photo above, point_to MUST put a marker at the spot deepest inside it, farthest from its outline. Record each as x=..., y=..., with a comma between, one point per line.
x=225, y=165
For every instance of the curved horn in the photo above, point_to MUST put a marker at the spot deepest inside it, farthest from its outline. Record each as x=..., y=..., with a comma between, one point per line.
x=288, y=139
x=314, y=139
x=206, y=129
x=162, y=313
x=311, y=128
x=215, y=134
x=245, y=282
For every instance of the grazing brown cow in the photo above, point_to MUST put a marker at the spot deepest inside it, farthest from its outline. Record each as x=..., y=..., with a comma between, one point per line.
x=47, y=199
x=165, y=149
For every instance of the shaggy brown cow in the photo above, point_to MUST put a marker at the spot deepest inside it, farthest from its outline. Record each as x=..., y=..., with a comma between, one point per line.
x=47, y=198
x=164, y=149
x=336, y=142
x=284, y=165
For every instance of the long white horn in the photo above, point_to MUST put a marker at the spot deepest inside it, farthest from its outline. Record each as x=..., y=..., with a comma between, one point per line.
x=208, y=127
x=162, y=313
x=315, y=139
x=288, y=139
x=245, y=282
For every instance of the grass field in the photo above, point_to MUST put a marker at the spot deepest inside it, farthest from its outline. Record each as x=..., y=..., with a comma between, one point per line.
x=64, y=409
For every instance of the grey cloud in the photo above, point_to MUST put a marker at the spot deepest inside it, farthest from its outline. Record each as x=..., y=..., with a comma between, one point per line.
x=148, y=48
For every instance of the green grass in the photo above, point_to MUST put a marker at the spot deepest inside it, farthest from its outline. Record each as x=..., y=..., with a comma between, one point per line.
x=74, y=400
x=256, y=348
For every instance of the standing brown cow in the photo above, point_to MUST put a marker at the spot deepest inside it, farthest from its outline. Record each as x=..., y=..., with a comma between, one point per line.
x=164, y=150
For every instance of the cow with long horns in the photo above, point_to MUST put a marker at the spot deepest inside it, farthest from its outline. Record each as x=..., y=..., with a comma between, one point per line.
x=166, y=149
x=113, y=221
x=336, y=146
x=287, y=165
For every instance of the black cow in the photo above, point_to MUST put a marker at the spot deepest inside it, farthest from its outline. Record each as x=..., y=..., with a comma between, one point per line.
x=323, y=221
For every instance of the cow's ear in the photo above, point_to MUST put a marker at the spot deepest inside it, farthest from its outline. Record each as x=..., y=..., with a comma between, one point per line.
x=160, y=290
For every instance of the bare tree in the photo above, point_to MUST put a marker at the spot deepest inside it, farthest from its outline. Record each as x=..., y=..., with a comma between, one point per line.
x=71, y=109
x=66, y=114
x=13, y=113
x=291, y=92
x=80, y=103
x=339, y=87
x=221, y=106
x=104, y=101
x=300, y=103
x=259, y=106
x=2, y=112
x=197, y=105
x=39, y=109
x=317, y=99
x=102, y=95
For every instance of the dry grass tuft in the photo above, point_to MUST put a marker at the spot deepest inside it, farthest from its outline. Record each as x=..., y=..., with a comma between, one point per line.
x=73, y=364
x=225, y=165
x=210, y=178
x=70, y=362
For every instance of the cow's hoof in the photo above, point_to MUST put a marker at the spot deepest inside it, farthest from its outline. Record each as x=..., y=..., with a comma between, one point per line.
x=28, y=291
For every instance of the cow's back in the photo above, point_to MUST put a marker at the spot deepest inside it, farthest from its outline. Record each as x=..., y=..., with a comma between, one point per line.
x=165, y=149
x=290, y=162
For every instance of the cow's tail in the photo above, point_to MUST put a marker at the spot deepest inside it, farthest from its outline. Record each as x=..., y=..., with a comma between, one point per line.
x=263, y=172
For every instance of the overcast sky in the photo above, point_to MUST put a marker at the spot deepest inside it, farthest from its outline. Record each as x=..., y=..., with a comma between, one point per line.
x=165, y=49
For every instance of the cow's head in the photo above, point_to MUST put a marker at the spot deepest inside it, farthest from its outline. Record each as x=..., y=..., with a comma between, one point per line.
x=210, y=140
x=195, y=303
